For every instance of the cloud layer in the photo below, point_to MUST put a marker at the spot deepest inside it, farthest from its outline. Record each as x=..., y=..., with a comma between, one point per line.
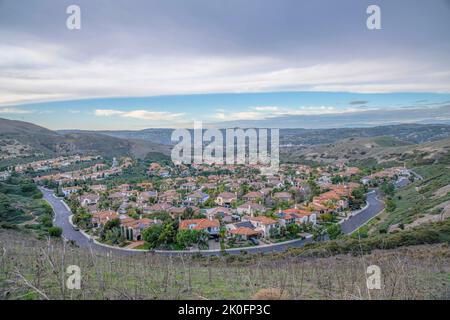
x=140, y=114
x=148, y=48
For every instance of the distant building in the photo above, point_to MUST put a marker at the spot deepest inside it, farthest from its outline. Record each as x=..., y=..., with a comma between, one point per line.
x=69, y=190
x=226, y=199
x=4, y=175
x=196, y=198
x=89, y=199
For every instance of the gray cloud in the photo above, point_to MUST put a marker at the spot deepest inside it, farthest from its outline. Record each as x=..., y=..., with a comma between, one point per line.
x=277, y=43
x=358, y=102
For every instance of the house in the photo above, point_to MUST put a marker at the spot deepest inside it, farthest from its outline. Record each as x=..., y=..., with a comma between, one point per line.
x=154, y=168
x=225, y=199
x=164, y=174
x=4, y=175
x=132, y=229
x=282, y=196
x=334, y=200
x=188, y=186
x=98, y=188
x=100, y=218
x=170, y=196
x=124, y=187
x=117, y=196
x=324, y=180
x=253, y=196
x=93, y=208
x=176, y=211
x=263, y=224
x=242, y=230
x=196, y=198
x=158, y=207
x=89, y=199
x=250, y=208
x=299, y=216
x=69, y=190
x=222, y=213
x=275, y=182
x=146, y=196
x=232, y=186
x=209, y=226
x=207, y=186
x=145, y=186
x=266, y=191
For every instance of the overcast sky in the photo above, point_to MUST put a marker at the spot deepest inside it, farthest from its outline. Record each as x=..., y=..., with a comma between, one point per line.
x=138, y=48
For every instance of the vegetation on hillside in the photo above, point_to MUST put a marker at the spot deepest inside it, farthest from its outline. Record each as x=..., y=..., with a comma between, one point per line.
x=424, y=200
x=22, y=207
x=39, y=143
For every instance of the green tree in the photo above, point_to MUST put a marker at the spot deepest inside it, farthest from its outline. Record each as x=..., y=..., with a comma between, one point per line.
x=358, y=198
x=334, y=231
x=186, y=238
x=151, y=235
x=326, y=217
x=293, y=230
x=390, y=205
x=388, y=188
x=168, y=233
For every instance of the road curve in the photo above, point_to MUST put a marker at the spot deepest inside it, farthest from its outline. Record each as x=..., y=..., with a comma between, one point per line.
x=62, y=219
x=356, y=221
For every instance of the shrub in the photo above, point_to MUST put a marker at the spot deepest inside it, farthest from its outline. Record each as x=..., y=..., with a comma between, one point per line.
x=55, y=231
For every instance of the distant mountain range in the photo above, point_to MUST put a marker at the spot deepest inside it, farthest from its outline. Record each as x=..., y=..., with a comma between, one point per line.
x=411, y=133
x=383, y=143
x=160, y=136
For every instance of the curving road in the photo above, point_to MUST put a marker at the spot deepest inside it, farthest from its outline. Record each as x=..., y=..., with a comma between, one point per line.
x=62, y=219
x=359, y=219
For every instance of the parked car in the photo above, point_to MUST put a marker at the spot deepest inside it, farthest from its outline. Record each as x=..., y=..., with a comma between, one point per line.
x=254, y=241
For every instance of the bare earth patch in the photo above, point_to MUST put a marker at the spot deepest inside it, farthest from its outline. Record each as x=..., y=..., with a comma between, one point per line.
x=441, y=192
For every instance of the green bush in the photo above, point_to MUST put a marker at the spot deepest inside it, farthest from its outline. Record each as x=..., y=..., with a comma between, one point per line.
x=55, y=231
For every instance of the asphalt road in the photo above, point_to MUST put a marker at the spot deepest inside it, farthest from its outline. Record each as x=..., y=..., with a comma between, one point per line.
x=354, y=222
x=61, y=219
x=62, y=215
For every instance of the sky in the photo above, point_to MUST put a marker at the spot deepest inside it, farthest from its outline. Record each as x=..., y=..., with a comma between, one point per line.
x=137, y=64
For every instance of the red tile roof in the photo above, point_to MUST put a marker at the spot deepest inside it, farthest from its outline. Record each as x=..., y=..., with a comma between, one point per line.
x=199, y=224
x=244, y=231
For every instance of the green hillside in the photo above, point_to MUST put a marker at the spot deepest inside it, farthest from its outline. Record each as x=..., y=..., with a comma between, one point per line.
x=24, y=142
x=22, y=206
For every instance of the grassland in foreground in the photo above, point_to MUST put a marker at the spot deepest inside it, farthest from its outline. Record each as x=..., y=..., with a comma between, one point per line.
x=35, y=269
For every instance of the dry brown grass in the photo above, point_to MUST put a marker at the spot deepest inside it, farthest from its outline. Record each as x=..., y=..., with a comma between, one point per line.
x=31, y=269
x=270, y=294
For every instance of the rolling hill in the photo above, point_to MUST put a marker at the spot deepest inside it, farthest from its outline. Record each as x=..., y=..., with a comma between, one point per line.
x=409, y=133
x=22, y=140
x=383, y=150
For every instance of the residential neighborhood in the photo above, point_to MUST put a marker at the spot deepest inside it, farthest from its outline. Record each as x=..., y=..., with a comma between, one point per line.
x=206, y=206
